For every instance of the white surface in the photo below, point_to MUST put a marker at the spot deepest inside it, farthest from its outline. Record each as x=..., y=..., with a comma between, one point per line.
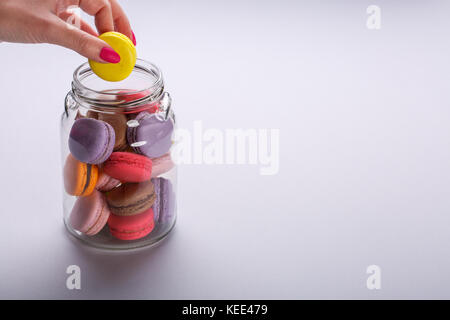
x=364, y=164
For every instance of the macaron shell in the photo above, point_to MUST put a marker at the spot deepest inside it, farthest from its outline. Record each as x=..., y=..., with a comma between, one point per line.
x=148, y=108
x=91, y=141
x=128, y=167
x=164, y=206
x=131, y=198
x=79, y=115
x=74, y=176
x=119, y=123
x=106, y=183
x=92, y=114
x=133, y=227
x=126, y=96
x=79, y=178
x=127, y=52
x=152, y=137
x=129, y=149
x=132, y=95
x=169, y=202
x=162, y=165
x=109, y=146
x=157, y=204
x=89, y=214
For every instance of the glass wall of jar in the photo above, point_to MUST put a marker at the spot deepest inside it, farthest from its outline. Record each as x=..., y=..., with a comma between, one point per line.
x=119, y=177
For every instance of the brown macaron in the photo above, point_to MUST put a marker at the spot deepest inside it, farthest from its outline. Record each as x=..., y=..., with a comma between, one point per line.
x=131, y=198
x=79, y=115
x=119, y=122
x=128, y=148
x=92, y=114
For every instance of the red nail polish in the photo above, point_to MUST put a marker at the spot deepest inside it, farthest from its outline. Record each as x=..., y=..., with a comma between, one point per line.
x=109, y=55
x=133, y=38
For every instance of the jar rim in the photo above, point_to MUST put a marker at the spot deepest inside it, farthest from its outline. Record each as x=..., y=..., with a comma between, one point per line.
x=151, y=92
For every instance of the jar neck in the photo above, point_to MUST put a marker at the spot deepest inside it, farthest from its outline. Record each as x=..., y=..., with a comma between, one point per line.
x=144, y=86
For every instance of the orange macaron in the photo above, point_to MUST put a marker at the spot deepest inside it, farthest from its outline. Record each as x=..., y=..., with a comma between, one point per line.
x=79, y=178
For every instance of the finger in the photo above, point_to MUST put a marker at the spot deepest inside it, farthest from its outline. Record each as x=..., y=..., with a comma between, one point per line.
x=86, y=27
x=82, y=42
x=102, y=11
x=121, y=22
x=75, y=20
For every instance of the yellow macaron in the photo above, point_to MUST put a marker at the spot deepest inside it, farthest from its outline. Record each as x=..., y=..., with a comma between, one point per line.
x=127, y=52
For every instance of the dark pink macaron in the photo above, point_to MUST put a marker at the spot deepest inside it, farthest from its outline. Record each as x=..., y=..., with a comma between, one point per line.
x=131, y=227
x=128, y=167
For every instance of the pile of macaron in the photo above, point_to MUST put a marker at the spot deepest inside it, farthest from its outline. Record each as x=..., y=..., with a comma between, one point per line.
x=117, y=170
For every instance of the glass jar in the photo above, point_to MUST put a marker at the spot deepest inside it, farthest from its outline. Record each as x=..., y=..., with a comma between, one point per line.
x=119, y=177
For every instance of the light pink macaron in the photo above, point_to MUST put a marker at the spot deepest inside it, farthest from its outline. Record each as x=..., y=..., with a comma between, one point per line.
x=90, y=214
x=162, y=165
x=106, y=183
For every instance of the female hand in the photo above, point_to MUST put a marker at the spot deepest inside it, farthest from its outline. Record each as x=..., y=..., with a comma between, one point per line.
x=50, y=21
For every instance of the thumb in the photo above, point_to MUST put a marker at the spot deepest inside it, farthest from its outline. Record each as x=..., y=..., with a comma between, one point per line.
x=84, y=43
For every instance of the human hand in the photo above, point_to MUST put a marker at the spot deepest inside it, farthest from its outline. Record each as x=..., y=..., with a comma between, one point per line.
x=44, y=21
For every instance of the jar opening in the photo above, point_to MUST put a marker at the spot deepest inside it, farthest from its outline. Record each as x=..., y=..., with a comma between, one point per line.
x=145, y=85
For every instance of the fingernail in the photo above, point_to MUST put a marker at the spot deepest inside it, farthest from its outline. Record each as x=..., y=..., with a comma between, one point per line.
x=133, y=38
x=109, y=55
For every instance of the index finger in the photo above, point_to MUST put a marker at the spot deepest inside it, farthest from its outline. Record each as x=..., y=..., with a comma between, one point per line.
x=102, y=11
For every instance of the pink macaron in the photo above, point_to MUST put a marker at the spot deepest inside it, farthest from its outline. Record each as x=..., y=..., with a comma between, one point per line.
x=162, y=165
x=131, y=227
x=106, y=183
x=128, y=167
x=90, y=214
x=126, y=96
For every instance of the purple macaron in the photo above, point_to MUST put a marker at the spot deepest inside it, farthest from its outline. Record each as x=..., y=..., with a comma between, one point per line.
x=164, y=206
x=91, y=141
x=151, y=136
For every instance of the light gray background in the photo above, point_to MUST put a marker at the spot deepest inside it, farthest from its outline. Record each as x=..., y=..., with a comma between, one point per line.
x=364, y=155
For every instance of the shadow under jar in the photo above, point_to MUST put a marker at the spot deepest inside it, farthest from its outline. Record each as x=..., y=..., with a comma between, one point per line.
x=119, y=177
